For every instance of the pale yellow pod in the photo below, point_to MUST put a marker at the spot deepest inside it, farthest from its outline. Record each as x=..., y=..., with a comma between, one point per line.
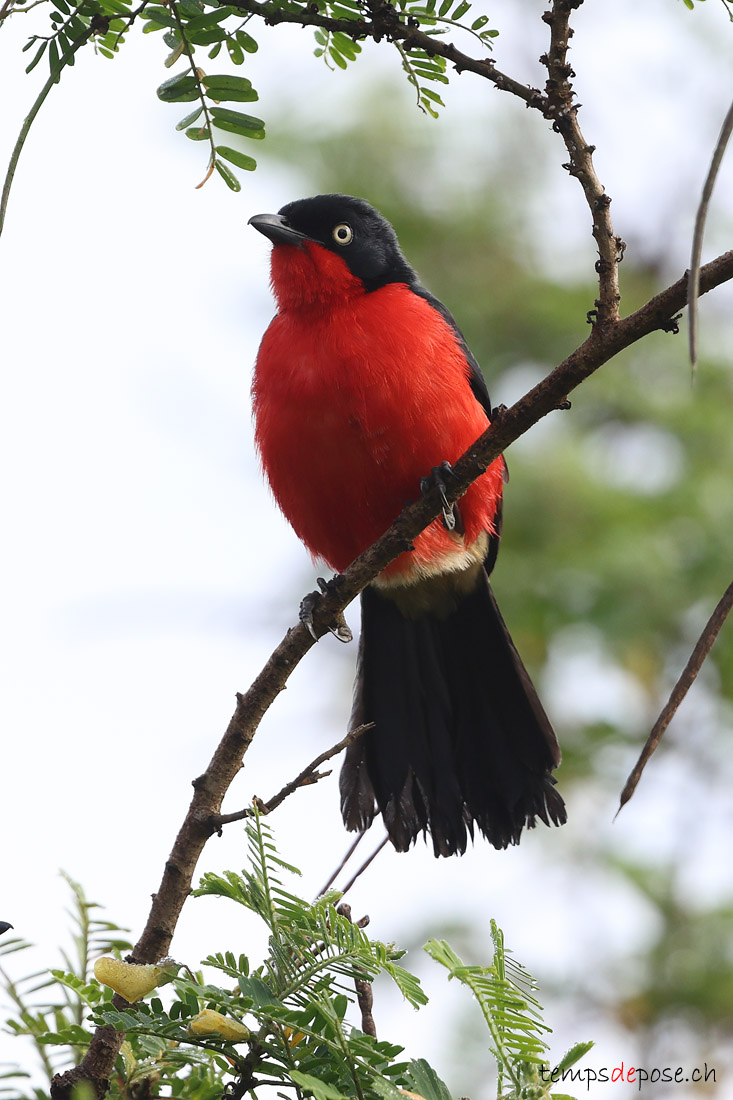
x=128, y=979
x=210, y=1022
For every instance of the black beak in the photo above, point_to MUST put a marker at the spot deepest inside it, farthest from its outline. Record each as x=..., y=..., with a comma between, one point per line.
x=276, y=229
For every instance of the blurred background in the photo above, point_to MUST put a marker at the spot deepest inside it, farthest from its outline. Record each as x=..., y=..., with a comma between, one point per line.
x=146, y=574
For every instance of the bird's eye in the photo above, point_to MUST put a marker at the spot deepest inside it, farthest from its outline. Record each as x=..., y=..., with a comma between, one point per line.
x=342, y=234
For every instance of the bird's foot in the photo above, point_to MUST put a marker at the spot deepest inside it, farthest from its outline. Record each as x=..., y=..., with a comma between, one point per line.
x=338, y=627
x=436, y=479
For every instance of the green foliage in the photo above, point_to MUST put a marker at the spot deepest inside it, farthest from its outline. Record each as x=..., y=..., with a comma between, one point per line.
x=284, y=1022
x=57, y=1019
x=191, y=27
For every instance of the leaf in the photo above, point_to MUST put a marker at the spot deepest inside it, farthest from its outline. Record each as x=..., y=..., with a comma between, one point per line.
x=182, y=88
x=198, y=133
x=69, y=1036
x=37, y=56
x=425, y=1081
x=229, y=178
x=337, y=58
x=236, y=122
x=240, y=159
x=246, y=41
x=319, y=1089
x=573, y=1055
x=207, y=21
x=235, y=52
x=189, y=119
x=230, y=88
x=159, y=17
x=260, y=993
x=461, y=10
x=53, y=59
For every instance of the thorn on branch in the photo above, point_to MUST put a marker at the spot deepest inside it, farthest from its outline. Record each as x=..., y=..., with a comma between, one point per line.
x=591, y=316
x=563, y=406
x=602, y=202
x=672, y=325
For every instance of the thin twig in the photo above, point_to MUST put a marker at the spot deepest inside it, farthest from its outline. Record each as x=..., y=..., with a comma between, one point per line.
x=702, y=648
x=349, y=853
x=386, y=24
x=30, y=117
x=697, y=237
x=308, y=776
x=364, y=866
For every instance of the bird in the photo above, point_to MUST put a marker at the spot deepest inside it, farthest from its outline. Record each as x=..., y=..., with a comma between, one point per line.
x=364, y=392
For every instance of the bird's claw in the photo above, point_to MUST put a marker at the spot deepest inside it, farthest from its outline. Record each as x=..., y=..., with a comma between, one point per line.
x=436, y=480
x=338, y=627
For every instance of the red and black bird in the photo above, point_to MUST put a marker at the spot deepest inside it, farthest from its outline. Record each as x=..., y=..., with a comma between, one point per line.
x=363, y=385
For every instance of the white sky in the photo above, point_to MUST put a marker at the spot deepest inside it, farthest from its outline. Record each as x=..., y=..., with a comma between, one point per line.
x=143, y=559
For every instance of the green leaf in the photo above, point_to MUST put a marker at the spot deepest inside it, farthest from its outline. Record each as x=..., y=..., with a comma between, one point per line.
x=479, y=23
x=37, y=56
x=337, y=58
x=174, y=56
x=157, y=18
x=236, y=122
x=444, y=8
x=236, y=52
x=229, y=178
x=230, y=88
x=182, y=88
x=198, y=133
x=189, y=119
x=260, y=993
x=53, y=60
x=214, y=51
x=246, y=41
x=205, y=22
x=319, y=1089
x=461, y=10
x=424, y=1080
x=240, y=159
x=68, y=1036
x=573, y=1055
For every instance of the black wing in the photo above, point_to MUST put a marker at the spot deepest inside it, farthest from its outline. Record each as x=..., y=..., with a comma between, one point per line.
x=477, y=381
x=480, y=391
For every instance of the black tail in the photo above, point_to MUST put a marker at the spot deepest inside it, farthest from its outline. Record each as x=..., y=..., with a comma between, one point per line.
x=460, y=736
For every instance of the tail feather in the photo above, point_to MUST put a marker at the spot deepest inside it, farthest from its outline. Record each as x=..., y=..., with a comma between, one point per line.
x=460, y=736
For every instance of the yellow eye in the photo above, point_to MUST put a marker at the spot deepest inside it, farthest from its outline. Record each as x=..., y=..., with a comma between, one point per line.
x=342, y=234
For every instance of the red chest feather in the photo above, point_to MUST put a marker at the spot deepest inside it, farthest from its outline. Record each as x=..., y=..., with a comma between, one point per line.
x=356, y=398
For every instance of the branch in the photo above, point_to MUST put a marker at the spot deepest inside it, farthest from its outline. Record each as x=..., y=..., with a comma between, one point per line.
x=308, y=776
x=210, y=788
x=702, y=648
x=387, y=24
x=363, y=988
x=700, y=218
x=564, y=113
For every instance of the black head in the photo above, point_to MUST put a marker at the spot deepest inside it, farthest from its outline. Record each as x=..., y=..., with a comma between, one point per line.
x=346, y=226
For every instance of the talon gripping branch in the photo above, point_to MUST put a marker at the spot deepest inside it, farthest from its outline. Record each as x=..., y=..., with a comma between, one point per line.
x=363, y=384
